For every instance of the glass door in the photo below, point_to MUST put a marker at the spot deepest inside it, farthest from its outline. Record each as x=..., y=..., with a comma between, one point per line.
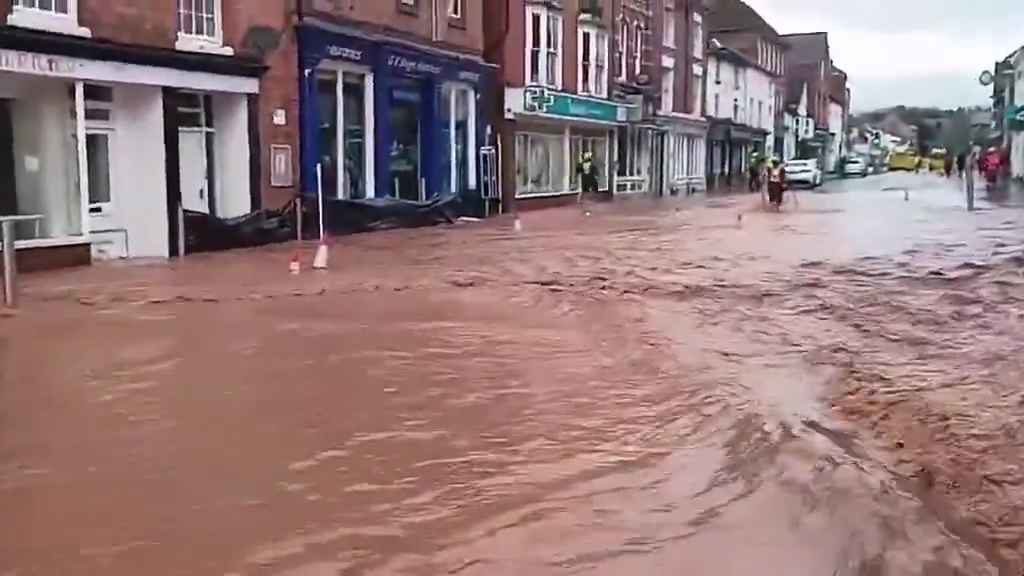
x=404, y=153
x=344, y=97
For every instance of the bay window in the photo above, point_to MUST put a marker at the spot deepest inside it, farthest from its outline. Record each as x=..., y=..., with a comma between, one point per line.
x=543, y=47
x=593, y=61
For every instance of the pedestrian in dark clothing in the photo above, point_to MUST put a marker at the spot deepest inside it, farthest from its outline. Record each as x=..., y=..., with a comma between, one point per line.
x=588, y=175
x=754, y=171
x=948, y=165
x=961, y=163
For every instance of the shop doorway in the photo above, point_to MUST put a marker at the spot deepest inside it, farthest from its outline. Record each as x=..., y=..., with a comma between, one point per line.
x=195, y=146
x=8, y=197
x=406, y=139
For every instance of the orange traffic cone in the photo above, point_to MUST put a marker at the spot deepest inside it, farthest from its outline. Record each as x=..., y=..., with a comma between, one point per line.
x=295, y=266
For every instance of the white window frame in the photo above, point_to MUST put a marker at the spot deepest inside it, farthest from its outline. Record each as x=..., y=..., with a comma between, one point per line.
x=623, y=45
x=470, y=92
x=37, y=18
x=547, y=17
x=638, y=43
x=341, y=177
x=455, y=9
x=213, y=44
x=669, y=32
x=588, y=144
x=668, y=76
x=104, y=128
x=698, y=36
x=556, y=188
x=597, y=81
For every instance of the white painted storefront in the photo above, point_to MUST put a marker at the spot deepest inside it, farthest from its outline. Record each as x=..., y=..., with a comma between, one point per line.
x=88, y=147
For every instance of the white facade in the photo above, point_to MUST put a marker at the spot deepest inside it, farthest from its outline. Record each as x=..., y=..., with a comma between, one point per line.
x=88, y=147
x=743, y=94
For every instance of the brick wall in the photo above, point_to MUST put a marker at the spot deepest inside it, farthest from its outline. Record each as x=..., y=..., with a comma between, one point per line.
x=146, y=22
x=465, y=35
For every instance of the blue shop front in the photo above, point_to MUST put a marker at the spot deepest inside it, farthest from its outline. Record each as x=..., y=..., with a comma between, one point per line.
x=385, y=119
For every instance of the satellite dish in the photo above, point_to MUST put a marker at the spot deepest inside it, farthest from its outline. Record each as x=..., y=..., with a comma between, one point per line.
x=986, y=78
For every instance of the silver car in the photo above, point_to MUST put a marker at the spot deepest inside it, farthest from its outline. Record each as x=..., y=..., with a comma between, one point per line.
x=806, y=172
x=855, y=167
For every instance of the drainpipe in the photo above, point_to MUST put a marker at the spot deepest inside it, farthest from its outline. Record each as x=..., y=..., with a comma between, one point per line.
x=434, y=27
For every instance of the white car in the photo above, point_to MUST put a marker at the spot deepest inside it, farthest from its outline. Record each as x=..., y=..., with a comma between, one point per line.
x=806, y=172
x=855, y=167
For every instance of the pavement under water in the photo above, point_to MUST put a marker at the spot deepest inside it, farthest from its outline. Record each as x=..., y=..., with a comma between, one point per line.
x=676, y=387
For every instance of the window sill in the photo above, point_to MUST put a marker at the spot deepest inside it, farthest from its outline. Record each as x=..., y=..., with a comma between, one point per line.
x=193, y=44
x=50, y=242
x=49, y=23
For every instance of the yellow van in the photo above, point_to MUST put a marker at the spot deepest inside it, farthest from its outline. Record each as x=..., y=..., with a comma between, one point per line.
x=903, y=161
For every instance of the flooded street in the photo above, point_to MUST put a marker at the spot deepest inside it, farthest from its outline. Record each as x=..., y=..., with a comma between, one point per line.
x=688, y=387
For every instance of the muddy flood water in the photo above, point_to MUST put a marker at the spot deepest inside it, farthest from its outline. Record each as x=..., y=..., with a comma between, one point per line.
x=686, y=387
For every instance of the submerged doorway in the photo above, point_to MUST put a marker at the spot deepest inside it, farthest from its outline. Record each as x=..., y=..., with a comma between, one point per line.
x=406, y=138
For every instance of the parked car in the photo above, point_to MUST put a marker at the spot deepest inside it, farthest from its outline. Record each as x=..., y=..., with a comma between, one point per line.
x=856, y=167
x=806, y=172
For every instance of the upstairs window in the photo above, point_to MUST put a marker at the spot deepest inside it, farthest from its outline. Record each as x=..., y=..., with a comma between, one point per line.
x=623, y=48
x=60, y=16
x=455, y=9
x=697, y=29
x=543, y=47
x=593, y=61
x=638, y=53
x=669, y=36
x=200, y=26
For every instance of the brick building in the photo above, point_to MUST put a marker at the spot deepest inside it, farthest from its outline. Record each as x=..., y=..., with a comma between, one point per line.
x=555, y=73
x=117, y=115
x=395, y=99
x=809, y=64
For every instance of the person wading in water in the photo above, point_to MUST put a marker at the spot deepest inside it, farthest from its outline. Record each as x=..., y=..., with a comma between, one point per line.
x=776, y=184
x=588, y=175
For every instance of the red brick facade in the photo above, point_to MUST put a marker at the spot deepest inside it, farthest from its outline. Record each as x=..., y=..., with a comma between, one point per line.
x=415, y=23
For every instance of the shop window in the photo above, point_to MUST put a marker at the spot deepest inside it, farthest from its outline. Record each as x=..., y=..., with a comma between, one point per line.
x=593, y=61
x=345, y=168
x=540, y=164
x=598, y=148
x=200, y=26
x=544, y=46
x=59, y=16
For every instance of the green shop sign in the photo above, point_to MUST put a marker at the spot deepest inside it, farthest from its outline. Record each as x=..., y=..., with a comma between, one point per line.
x=543, y=101
x=1015, y=117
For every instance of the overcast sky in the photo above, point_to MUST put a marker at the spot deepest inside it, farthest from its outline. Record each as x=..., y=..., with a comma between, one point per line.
x=912, y=52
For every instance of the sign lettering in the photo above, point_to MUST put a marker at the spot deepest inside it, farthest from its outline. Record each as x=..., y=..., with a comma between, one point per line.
x=35, y=63
x=408, y=65
x=346, y=53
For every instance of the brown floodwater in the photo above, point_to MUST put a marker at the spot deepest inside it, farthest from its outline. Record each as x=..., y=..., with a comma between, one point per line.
x=680, y=387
